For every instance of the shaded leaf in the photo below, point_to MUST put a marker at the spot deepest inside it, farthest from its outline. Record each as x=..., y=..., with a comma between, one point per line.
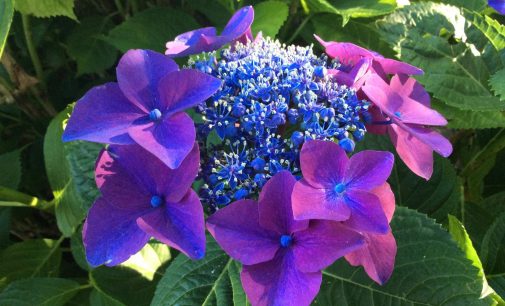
x=97, y=298
x=46, y=8
x=497, y=83
x=6, y=13
x=39, y=291
x=474, y=5
x=10, y=168
x=470, y=119
x=269, y=16
x=493, y=246
x=352, y=8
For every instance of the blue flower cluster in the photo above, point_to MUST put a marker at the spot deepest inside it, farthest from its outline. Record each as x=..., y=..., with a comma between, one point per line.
x=273, y=98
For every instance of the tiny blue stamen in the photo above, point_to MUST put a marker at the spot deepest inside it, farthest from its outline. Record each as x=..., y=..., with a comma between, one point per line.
x=339, y=188
x=156, y=201
x=398, y=114
x=286, y=240
x=155, y=115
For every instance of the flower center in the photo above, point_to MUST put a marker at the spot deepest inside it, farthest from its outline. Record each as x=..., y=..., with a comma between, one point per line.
x=339, y=188
x=156, y=201
x=155, y=115
x=398, y=114
x=286, y=240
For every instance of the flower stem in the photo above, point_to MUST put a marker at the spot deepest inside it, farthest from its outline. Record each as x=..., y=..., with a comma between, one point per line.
x=32, y=50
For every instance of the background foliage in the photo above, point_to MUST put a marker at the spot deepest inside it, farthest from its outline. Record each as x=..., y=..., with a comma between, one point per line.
x=450, y=230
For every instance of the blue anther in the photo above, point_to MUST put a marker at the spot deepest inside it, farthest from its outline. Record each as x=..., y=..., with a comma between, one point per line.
x=339, y=188
x=286, y=240
x=398, y=114
x=156, y=201
x=155, y=115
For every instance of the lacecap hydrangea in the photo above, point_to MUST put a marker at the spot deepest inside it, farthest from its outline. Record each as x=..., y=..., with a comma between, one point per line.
x=257, y=133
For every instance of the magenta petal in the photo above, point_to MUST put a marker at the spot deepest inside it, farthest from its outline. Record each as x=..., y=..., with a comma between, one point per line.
x=347, y=53
x=240, y=23
x=279, y=282
x=138, y=75
x=110, y=234
x=367, y=214
x=323, y=163
x=417, y=155
x=186, y=88
x=275, y=211
x=237, y=230
x=102, y=115
x=317, y=203
x=387, y=199
x=377, y=256
x=406, y=86
x=436, y=141
x=191, y=42
x=322, y=244
x=391, y=66
x=180, y=225
x=368, y=169
x=170, y=140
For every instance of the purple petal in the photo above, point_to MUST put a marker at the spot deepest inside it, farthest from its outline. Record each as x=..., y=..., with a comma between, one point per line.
x=367, y=214
x=368, y=169
x=138, y=75
x=102, y=115
x=317, y=203
x=322, y=244
x=186, y=88
x=387, y=199
x=354, y=78
x=377, y=256
x=406, y=86
x=323, y=163
x=110, y=233
x=170, y=140
x=275, y=211
x=180, y=225
x=191, y=42
x=498, y=5
x=391, y=66
x=279, y=282
x=239, y=23
x=146, y=170
x=436, y=141
x=237, y=230
x=346, y=53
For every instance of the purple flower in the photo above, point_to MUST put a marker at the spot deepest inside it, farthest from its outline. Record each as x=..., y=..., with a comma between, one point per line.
x=282, y=258
x=206, y=39
x=145, y=107
x=378, y=253
x=143, y=198
x=335, y=187
x=498, y=5
x=407, y=105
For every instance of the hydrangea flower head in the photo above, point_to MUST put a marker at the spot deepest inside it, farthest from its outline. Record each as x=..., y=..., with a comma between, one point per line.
x=498, y=5
x=282, y=257
x=335, y=187
x=144, y=107
x=143, y=198
x=206, y=39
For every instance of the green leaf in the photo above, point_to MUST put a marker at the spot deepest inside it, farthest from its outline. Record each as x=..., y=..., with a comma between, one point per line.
x=456, y=57
x=97, y=298
x=148, y=260
x=10, y=167
x=473, y=5
x=214, y=280
x=86, y=45
x=39, y=291
x=5, y=226
x=29, y=258
x=269, y=16
x=497, y=83
x=492, y=29
x=469, y=119
x=493, y=245
x=498, y=283
x=6, y=13
x=150, y=29
x=46, y=8
x=352, y=8
x=70, y=170
x=429, y=270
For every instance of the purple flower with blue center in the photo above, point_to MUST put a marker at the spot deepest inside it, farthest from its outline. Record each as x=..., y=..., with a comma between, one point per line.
x=146, y=106
x=282, y=257
x=143, y=198
x=206, y=39
x=335, y=187
x=498, y=5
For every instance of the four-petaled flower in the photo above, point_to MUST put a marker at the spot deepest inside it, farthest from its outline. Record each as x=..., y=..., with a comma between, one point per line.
x=335, y=187
x=145, y=107
x=282, y=258
x=206, y=39
x=143, y=198
x=407, y=105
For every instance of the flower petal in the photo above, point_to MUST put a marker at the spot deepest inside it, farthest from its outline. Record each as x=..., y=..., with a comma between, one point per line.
x=367, y=214
x=237, y=230
x=377, y=256
x=186, y=88
x=436, y=141
x=323, y=163
x=391, y=66
x=410, y=87
x=316, y=203
x=275, y=211
x=279, y=282
x=138, y=75
x=110, y=234
x=102, y=115
x=170, y=140
x=368, y=169
x=180, y=225
x=191, y=42
x=323, y=243
x=498, y=5
x=239, y=23
x=387, y=199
